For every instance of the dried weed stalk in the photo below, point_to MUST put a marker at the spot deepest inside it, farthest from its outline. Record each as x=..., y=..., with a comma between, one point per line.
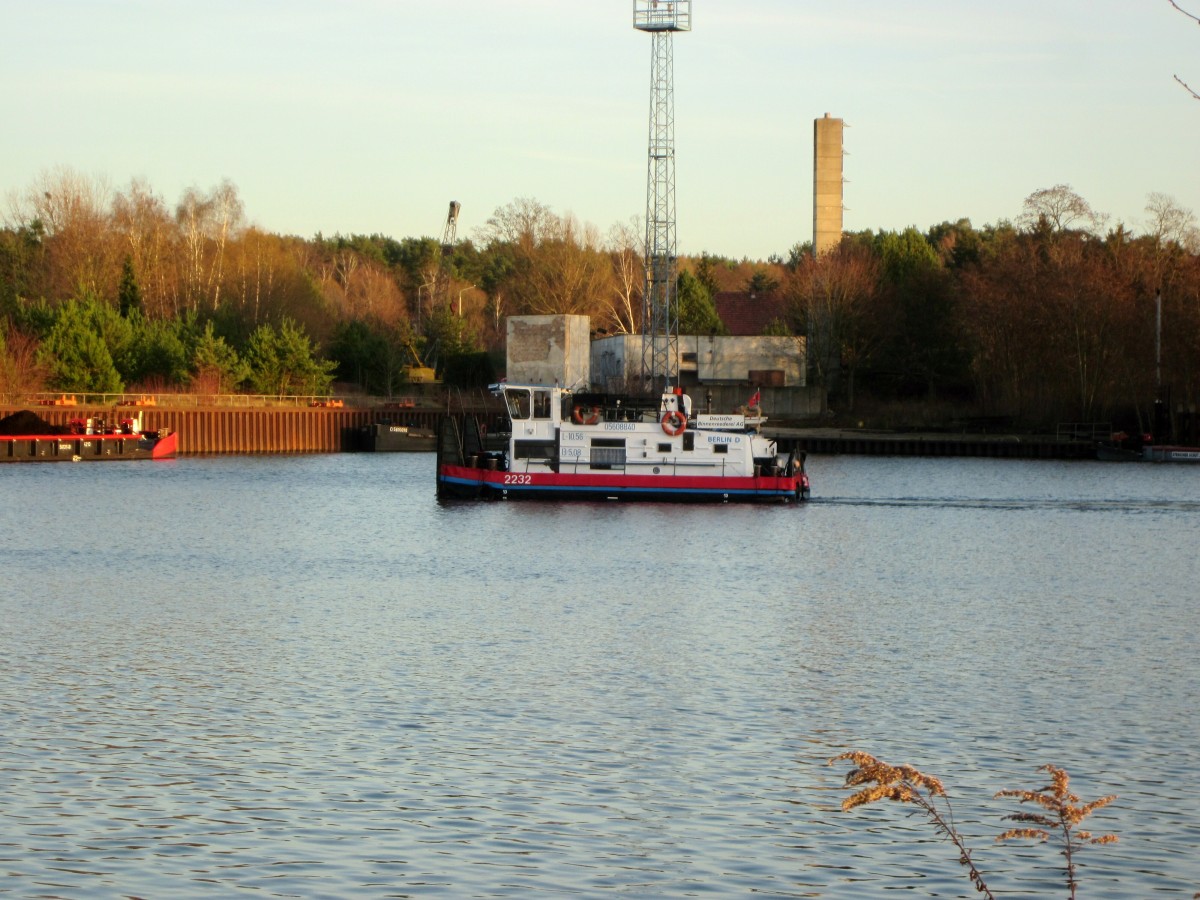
x=905, y=784
x=1061, y=813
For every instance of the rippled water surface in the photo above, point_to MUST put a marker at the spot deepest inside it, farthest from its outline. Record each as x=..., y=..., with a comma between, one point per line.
x=303, y=677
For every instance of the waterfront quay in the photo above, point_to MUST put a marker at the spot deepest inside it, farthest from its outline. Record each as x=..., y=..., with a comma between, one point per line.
x=268, y=429
x=862, y=442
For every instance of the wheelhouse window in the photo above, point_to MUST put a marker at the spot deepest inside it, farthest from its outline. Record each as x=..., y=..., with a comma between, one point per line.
x=518, y=403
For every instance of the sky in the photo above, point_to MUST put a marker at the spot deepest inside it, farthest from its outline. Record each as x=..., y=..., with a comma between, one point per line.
x=370, y=116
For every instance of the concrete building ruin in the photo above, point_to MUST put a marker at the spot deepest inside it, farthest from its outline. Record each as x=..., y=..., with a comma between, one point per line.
x=774, y=361
x=721, y=371
x=559, y=350
x=549, y=350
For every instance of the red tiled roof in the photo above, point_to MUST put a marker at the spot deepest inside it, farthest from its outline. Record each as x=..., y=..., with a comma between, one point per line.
x=748, y=314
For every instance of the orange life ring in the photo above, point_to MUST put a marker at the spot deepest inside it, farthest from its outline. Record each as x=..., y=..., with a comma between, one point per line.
x=674, y=422
x=590, y=416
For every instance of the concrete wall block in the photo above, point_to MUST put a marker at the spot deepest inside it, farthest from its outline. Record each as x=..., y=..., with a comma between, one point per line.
x=548, y=350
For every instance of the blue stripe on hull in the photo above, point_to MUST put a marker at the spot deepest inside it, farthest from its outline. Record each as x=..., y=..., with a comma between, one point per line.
x=469, y=487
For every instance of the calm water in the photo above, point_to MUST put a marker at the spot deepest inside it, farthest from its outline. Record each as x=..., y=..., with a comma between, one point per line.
x=302, y=677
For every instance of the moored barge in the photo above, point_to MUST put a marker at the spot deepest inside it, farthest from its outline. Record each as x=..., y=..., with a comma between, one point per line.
x=26, y=437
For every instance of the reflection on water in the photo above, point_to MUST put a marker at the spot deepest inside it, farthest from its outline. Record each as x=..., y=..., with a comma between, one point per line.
x=304, y=677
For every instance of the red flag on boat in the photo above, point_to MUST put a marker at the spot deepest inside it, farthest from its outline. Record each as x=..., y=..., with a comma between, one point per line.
x=755, y=398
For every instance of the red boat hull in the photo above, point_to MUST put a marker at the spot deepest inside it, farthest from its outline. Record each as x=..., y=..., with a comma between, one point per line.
x=469, y=482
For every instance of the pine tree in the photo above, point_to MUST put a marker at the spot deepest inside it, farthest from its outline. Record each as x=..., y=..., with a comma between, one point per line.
x=129, y=294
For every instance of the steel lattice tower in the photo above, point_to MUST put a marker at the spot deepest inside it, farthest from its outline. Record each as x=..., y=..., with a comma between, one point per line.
x=660, y=309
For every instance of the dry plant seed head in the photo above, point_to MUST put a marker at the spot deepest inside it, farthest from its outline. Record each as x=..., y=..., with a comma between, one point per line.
x=1063, y=811
x=1034, y=819
x=1032, y=834
x=871, y=794
x=1060, y=782
x=871, y=770
x=906, y=784
x=901, y=784
x=1090, y=808
x=931, y=784
x=858, y=757
x=1057, y=811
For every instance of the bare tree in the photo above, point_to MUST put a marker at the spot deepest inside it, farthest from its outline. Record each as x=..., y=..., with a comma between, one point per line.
x=567, y=274
x=624, y=249
x=207, y=221
x=229, y=211
x=345, y=263
x=558, y=265
x=72, y=209
x=21, y=374
x=1170, y=222
x=830, y=303
x=192, y=214
x=524, y=223
x=375, y=295
x=253, y=272
x=1195, y=19
x=143, y=221
x=1062, y=209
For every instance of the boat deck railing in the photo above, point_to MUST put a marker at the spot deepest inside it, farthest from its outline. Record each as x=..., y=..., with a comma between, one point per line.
x=416, y=400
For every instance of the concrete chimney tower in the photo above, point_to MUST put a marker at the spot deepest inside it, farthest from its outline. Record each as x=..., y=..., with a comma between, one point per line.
x=827, y=183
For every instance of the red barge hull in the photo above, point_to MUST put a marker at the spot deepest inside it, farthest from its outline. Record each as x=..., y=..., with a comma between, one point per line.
x=87, y=447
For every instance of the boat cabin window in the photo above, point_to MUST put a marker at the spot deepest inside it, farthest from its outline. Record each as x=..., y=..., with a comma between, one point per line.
x=720, y=448
x=541, y=404
x=518, y=403
x=543, y=451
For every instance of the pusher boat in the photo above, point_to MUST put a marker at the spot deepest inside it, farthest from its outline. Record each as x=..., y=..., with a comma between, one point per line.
x=564, y=445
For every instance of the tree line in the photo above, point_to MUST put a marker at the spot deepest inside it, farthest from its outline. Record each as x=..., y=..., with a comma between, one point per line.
x=1047, y=317
x=110, y=290
x=1053, y=318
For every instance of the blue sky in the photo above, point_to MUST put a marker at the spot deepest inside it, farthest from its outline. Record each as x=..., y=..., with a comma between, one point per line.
x=370, y=116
